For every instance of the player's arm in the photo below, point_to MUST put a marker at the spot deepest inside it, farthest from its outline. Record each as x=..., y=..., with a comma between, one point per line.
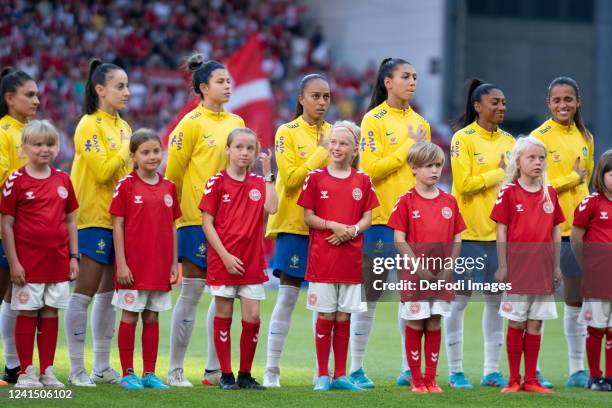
x=502, y=252
x=124, y=275
x=232, y=263
x=180, y=150
x=293, y=173
x=103, y=166
x=363, y=224
x=377, y=163
x=73, y=242
x=577, y=243
x=8, y=241
x=461, y=165
x=174, y=267
x=271, y=203
x=556, y=234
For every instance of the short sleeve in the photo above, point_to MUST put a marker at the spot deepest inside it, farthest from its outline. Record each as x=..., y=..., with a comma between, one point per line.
x=459, y=223
x=559, y=216
x=584, y=212
x=307, y=197
x=369, y=194
x=176, y=208
x=210, y=199
x=8, y=205
x=399, y=216
x=501, y=210
x=118, y=203
x=71, y=201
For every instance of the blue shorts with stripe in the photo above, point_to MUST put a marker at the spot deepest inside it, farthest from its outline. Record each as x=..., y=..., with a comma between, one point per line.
x=192, y=245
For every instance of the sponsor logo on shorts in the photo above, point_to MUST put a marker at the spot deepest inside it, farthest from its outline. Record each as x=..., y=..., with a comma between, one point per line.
x=447, y=213
x=62, y=192
x=312, y=299
x=588, y=315
x=295, y=261
x=357, y=194
x=201, y=251
x=255, y=195
x=414, y=308
x=129, y=298
x=168, y=200
x=23, y=297
x=101, y=246
x=548, y=207
x=507, y=307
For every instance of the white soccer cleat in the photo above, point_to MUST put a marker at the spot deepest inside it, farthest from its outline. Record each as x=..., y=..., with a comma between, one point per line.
x=81, y=379
x=176, y=378
x=271, y=377
x=108, y=376
x=212, y=377
x=29, y=379
x=49, y=380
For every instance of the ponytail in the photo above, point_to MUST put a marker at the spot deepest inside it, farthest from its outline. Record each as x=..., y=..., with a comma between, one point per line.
x=476, y=88
x=386, y=69
x=97, y=75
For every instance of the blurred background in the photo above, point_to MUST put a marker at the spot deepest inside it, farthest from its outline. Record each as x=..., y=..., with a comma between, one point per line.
x=519, y=45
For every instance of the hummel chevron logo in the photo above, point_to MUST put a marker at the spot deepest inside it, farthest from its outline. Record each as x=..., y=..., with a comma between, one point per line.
x=320, y=336
x=207, y=190
x=414, y=355
x=434, y=357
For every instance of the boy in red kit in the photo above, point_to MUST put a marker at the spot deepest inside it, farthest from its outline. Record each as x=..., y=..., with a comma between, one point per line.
x=40, y=239
x=426, y=223
x=338, y=202
x=528, y=215
x=233, y=208
x=144, y=209
x=590, y=239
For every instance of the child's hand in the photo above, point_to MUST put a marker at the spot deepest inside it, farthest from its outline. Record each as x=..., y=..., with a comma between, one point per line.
x=557, y=277
x=418, y=135
x=581, y=172
x=173, y=274
x=340, y=233
x=501, y=275
x=233, y=265
x=74, y=269
x=17, y=274
x=266, y=162
x=124, y=276
x=323, y=141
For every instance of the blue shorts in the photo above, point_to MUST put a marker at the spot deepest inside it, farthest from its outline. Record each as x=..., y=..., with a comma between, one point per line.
x=569, y=265
x=97, y=244
x=378, y=242
x=192, y=245
x=483, y=255
x=290, y=255
x=3, y=261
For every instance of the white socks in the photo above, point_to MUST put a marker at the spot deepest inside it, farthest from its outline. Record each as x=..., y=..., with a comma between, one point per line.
x=575, y=334
x=493, y=333
x=361, y=327
x=75, y=323
x=280, y=322
x=102, y=330
x=7, y=328
x=213, y=360
x=183, y=318
x=453, y=334
x=401, y=324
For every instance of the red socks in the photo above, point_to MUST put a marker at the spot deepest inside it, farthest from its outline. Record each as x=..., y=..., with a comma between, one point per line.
x=223, y=343
x=323, y=343
x=248, y=344
x=609, y=353
x=150, y=343
x=514, y=347
x=47, y=341
x=125, y=342
x=413, y=352
x=432, y=353
x=25, y=331
x=323, y=340
x=532, y=349
x=593, y=350
x=341, y=343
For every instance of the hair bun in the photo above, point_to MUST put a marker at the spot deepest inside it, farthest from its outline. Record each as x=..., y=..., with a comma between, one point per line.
x=195, y=62
x=6, y=71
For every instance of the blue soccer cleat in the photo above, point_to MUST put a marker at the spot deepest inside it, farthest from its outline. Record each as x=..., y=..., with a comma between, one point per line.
x=495, y=379
x=579, y=379
x=150, y=380
x=360, y=379
x=543, y=381
x=404, y=378
x=322, y=384
x=343, y=383
x=131, y=382
x=459, y=380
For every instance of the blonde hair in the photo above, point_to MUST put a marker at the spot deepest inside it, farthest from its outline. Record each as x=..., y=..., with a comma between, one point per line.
x=604, y=165
x=513, y=171
x=355, y=132
x=423, y=153
x=40, y=129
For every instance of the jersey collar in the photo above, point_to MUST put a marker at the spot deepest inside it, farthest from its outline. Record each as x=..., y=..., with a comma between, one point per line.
x=484, y=132
x=107, y=116
x=396, y=111
x=212, y=114
x=14, y=122
x=312, y=129
x=561, y=128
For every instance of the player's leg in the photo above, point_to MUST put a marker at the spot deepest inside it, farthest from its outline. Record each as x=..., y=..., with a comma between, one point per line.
x=27, y=300
x=514, y=347
x=405, y=374
x=224, y=306
x=595, y=313
x=125, y=342
x=7, y=327
x=150, y=344
x=433, y=336
x=531, y=348
x=103, y=329
x=414, y=334
x=250, y=298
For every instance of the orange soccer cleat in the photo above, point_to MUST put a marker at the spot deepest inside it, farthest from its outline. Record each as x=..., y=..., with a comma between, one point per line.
x=534, y=386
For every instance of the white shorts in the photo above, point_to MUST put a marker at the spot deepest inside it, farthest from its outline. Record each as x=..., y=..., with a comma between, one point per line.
x=134, y=300
x=335, y=297
x=521, y=308
x=34, y=296
x=424, y=309
x=254, y=292
x=596, y=313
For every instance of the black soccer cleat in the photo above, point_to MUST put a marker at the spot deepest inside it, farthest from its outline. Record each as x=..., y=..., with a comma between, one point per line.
x=245, y=381
x=598, y=384
x=228, y=382
x=11, y=374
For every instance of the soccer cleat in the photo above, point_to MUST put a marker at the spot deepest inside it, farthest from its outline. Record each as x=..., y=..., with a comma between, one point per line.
x=323, y=383
x=176, y=378
x=11, y=374
x=131, y=382
x=404, y=378
x=150, y=380
x=536, y=387
x=49, y=380
x=108, y=376
x=433, y=387
x=514, y=385
x=344, y=383
x=271, y=378
x=543, y=381
x=81, y=379
x=418, y=386
x=245, y=381
x=495, y=379
x=579, y=379
x=3, y=383
x=360, y=379
x=211, y=377
x=459, y=380
x=599, y=384
x=228, y=382
x=29, y=379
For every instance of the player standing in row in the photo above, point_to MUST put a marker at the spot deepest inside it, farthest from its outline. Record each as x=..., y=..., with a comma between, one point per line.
x=528, y=217
x=196, y=153
x=338, y=202
x=145, y=254
x=591, y=240
x=570, y=165
x=479, y=149
x=388, y=131
x=40, y=237
x=101, y=158
x=427, y=223
x=18, y=103
x=301, y=146
x=234, y=205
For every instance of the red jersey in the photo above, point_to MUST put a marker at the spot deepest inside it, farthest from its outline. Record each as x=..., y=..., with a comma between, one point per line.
x=149, y=211
x=530, y=220
x=41, y=234
x=238, y=209
x=430, y=225
x=340, y=200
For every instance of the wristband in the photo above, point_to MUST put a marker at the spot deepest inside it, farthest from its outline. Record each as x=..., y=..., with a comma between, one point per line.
x=75, y=256
x=356, y=230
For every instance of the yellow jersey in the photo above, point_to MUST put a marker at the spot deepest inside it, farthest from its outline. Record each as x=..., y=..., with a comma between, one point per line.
x=297, y=152
x=101, y=158
x=384, y=150
x=11, y=156
x=565, y=144
x=475, y=156
x=196, y=152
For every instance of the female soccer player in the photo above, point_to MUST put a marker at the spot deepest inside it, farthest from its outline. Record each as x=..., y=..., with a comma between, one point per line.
x=146, y=255
x=233, y=208
x=388, y=131
x=301, y=146
x=40, y=237
x=195, y=154
x=478, y=158
x=18, y=103
x=338, y=202
x=590, y=239
x=434, y=231
x=570, y=164
x=101, y=158
x=528, y=217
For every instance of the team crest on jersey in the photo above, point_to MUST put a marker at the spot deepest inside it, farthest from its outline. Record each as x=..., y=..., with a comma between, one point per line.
x=211, y=142
x=29, y=195
x=255, y=194
x=507, y=307
x=556, y=156
x=508, y=155
x=585, y=152
x=23, y=297
x=98, y=120
x=295, y=262
x=129, y=298
x=324, y=194
x=101, y=246
x=548, y=207
x=603, y=215
x=357, y=194
x=62, y=192
x=312, y=299
x=416, y=214
x=415, y=308
x=168, y=200
x=201, y=251
x=480, y=159
x=226, y=198
x=447, y=213
x=138, y=199
x=519, y=208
